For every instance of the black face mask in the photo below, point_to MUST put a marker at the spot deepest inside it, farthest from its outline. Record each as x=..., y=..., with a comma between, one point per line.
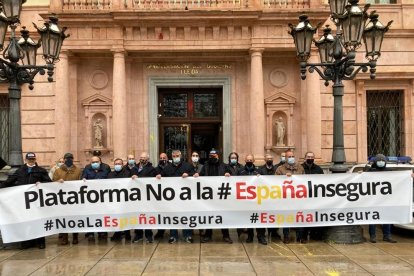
x=269, y=162
x=212, y=160
x=310, y=161
x=249, y=164
x=162, y=162
x=69, y=162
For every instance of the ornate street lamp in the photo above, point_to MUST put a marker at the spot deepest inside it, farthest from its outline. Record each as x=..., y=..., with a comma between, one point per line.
x=337, y=54
x=24, y=49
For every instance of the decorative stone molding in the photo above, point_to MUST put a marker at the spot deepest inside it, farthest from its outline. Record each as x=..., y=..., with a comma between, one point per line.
x=278, y=78
x=279, y=105
x=99, y=79
x=98, y=106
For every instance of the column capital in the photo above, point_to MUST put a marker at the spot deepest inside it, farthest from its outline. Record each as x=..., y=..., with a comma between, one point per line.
x=255, y=50
x=118, y=51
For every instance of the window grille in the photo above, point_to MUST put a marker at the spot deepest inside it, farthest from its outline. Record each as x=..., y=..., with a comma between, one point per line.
x=385, y=122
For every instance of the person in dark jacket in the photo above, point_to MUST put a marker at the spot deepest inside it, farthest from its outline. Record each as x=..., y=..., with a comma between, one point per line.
x=309, y=165
x=282, y=160
x=214, y=167
x=269, y=169
x=179, y=168
x=105, y=167
x=233, y=166
x=380, y=165
x=131, y=164
x=250, y=169
x=144, y=169
x=95, y=171
x=29, y=173
x=120, y=172
x=159, y=171
x=315, y=233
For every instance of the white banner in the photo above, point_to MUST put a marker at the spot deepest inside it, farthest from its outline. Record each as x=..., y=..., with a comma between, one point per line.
x=31, y=211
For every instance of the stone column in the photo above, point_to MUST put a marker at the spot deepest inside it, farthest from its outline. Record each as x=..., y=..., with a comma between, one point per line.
x=62, y=109
x=313, y=111
x=257, y=112
x=119, y=104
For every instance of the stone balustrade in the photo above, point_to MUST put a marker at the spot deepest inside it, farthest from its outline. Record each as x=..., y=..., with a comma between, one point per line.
x=73, y=5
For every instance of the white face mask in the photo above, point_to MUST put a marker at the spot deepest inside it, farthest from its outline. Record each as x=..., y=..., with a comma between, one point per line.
x=194, y=159
x=176, y=160
x=380, y=164
x=291, y=160
x=282, y=159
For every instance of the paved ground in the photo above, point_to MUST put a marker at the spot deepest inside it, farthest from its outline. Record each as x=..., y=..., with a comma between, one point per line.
x=216, y=258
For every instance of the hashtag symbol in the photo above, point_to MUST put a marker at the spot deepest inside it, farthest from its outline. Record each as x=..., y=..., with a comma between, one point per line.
x=48, y=225
x=224, y=190
x=254, y=217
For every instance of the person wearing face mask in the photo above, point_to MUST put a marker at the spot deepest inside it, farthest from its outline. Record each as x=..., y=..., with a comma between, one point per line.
x=195, y=161
x=178, y=168
x=159, y=171
x=162, y=164
x=67, y=172
x=131, y=164
x=269, y=169
x=55, y=167
x=103, y=166
x=95, y=170
x=289, y=168
x=380, y=165
x=29, y=173
x=214, y=167
x=120, y=172
x=309, y=166
x=282, y=160
x=250, y=169
x=233, y=166
x=143, y=169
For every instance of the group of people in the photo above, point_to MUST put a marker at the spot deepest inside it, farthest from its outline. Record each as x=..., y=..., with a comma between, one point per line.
x=66, y=170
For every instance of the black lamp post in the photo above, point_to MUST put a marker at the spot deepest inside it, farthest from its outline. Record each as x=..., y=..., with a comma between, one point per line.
x=17, y=74
x=337, y=62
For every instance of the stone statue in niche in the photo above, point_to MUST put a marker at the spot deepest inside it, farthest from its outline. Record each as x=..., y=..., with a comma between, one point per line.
x=98, y=130
x=280, y=132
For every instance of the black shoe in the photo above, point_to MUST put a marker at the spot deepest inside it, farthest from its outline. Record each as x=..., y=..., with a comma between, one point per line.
x=249, y=239
x=42, y=246
x=150, y=239
x=373, y=239
x=227, y=240
x=205, y=239
x=116, y=237
x=388, y=239
x=286, y=239
x=137, y=239
x=262, y=240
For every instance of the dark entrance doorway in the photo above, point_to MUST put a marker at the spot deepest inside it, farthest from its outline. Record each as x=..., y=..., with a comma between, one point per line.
x=190, y=119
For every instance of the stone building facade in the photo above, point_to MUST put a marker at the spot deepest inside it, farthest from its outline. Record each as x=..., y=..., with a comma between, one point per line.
x=160, y=75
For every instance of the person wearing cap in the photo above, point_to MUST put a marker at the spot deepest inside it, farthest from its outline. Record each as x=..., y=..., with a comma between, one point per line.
x=29, y=173
x=67, y=172
x=215, y=167
x=179, y=167
x=250, y=169
x=380, y=165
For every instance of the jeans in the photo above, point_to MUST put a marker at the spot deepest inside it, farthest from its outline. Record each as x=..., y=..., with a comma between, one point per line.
x=186, y=233
x=148, y=233
x=386, y=230
x=301, y=233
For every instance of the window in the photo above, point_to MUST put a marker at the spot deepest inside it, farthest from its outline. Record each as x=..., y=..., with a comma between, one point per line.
x=4, y=126
x=385, y=122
